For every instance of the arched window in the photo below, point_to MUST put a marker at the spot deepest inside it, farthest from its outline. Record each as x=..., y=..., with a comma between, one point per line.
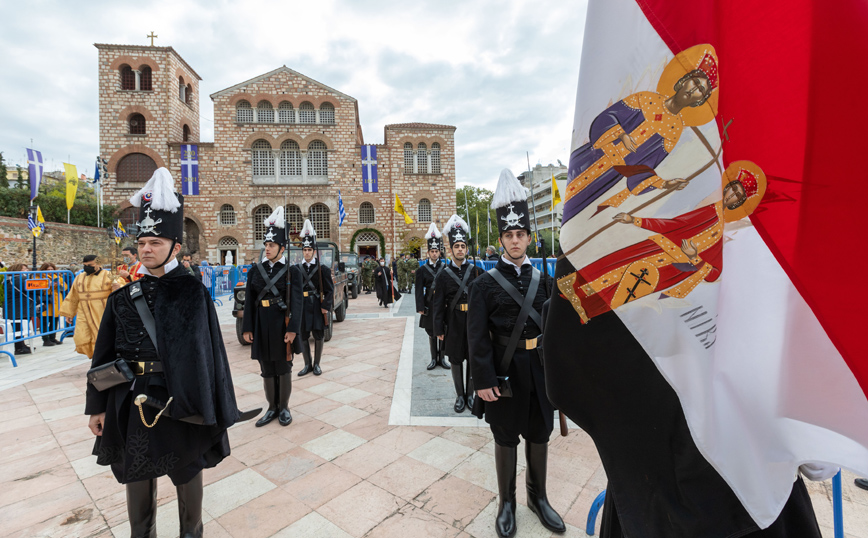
x=259, y=215
x=435, y=158
x=137, y=124
x=306, y=113
x=367, y=237
x=327, y=113
x=243, y=112
x=186, y=133
x=319, y=217
x=294, y=219
x=182, y=90
x=227, y=215
x=263, y=160
x=290, y=158
x=317, y=159
x=424, y=210
x=285, y=113
x=227, y=242
x=135, y=168
x=366, y=213
x=264, y=112
x=128, y=78
x=408, y=158
x=146, y=81
x=188, y=95
x=422, y=158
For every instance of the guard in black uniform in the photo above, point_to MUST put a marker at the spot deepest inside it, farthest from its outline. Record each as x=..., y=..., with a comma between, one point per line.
x=272, y=317
x=425, y=290
x=318, y=291
x=505, y=328
x=161, y=331
x=450, y=308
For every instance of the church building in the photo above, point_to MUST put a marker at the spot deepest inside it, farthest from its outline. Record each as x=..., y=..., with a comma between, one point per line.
x=280, y=138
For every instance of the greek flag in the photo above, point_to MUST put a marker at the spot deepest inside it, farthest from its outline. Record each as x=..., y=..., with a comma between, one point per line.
x=189, y=169
x=342, y=213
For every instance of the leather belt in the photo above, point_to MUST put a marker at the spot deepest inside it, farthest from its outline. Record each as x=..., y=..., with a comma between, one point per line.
x=146, y=367
x=530, y=343
x=311, y=294
x=266, y=303
x=462, y=307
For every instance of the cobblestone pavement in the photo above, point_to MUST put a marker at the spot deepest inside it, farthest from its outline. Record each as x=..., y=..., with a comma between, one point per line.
x=371, y=452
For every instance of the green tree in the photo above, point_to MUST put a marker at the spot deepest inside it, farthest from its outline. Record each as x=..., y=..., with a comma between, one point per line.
x=20, y=182
x=473, y=205
x=4, y=181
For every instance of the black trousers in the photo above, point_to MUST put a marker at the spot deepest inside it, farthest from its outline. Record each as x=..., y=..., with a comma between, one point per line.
x=274, y=368
x=317, y=334
x=536, y=431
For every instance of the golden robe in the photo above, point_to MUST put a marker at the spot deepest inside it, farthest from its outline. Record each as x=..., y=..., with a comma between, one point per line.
x=86, y=302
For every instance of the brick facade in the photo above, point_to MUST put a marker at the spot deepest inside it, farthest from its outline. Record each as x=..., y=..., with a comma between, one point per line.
x=61, y=244
x=226, y=166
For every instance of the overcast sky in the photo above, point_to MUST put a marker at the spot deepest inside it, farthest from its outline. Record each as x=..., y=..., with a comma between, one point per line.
x=504, y=72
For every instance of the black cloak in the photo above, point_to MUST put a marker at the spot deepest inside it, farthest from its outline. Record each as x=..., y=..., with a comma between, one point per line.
x=268, y=324
x=383, y=284
x=425, y=276
x=453, y=326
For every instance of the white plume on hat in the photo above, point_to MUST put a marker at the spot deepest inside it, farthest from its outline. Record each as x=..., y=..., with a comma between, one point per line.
x=433, y=232
x=508, y=190
x=162, y=189
x=307, y=229
x=456, y=221
x=276, y=218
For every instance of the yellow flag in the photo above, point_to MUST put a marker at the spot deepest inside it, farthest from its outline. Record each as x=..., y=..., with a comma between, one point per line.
x=40, y=223
x=71, y=184
x=39, y=218
x=556, y=194
x=399, y=207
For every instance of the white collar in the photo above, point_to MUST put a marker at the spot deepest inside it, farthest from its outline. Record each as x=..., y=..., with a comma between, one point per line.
x=434, y=263
x=459, y=266
x=168, y=267
x=524, y=262
x=311, y=262
x=265, y=259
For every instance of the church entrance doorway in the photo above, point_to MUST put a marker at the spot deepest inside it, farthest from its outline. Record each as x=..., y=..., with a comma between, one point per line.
x=368, y=251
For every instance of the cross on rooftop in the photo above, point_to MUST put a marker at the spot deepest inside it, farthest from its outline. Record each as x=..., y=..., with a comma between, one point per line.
x=152, y=36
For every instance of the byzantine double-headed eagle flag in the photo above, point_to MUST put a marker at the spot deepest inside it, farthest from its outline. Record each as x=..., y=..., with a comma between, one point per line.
x=711, y=188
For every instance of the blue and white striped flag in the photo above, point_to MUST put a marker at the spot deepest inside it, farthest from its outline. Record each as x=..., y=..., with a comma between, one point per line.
x=342, y=213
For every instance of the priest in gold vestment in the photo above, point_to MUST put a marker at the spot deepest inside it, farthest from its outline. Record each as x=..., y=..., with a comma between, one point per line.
x=86, y=303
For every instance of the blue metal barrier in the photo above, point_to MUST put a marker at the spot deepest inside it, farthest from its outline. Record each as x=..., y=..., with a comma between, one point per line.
x=488, y=264
x=220, y=280
x=31, y=304
x=592, y=514
x=242, y=273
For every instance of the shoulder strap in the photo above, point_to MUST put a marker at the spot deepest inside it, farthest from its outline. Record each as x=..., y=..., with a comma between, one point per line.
x=308, y=276
x=427, y=265
x=526, y=311
x=516, y=296
x=269, y=282
x=144, y=313
x=462, y=285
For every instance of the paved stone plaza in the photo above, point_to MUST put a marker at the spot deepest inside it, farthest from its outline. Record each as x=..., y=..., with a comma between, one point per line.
x=374, y=450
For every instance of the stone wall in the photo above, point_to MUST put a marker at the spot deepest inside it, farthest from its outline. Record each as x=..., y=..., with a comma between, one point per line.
x=61, y=244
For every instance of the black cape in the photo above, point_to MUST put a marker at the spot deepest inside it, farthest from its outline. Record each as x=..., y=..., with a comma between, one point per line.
x=424, y=291
x=196, y=376
x=660, y=485
x=268, y=324
x=383, y=285
x=453, y=325
x=317, y=299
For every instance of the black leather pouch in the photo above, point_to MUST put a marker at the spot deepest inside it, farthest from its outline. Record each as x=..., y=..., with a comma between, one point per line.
x=111, y=374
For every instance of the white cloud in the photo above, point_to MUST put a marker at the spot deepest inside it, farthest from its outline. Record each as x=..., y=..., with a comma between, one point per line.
x=503, y=72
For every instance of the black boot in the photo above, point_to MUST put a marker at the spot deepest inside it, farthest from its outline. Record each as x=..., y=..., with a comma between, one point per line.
x=47, y=342
x=317, y=355
x=190, y=507
x=270, y=385
x=458, y=380
x=284, y=390
x=432, y=342
x=142, y=508
x=441, y=354
x=537, y=462
x=305, y=352
x=504, y=463
x=21, y=348
x=470, y=394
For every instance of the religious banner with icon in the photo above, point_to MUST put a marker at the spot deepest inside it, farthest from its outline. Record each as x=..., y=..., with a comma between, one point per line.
x=189, y=169
x=369, y=168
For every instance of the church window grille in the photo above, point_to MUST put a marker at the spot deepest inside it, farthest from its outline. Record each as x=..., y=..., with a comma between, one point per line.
x=285, y=113
x=263, y=160
x=435, y=158
x=317, y=159
x=424, y=210
x=243, y=112
x=367, y=237
x=306, y=113
x=319, y=217
x=227, y=215
x=137, y=124
x=146, y=82
x=259, y=215
x=408, y=158
x=128, y=78
x=294, y=219
x=366, y=213
x=228, y=242
x=290, y=159
x=327, y=113
x=135, y=168
x=422, y=158
x=264, y=112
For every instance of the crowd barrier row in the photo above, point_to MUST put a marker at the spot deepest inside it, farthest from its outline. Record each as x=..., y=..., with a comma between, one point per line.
x=221, y=280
